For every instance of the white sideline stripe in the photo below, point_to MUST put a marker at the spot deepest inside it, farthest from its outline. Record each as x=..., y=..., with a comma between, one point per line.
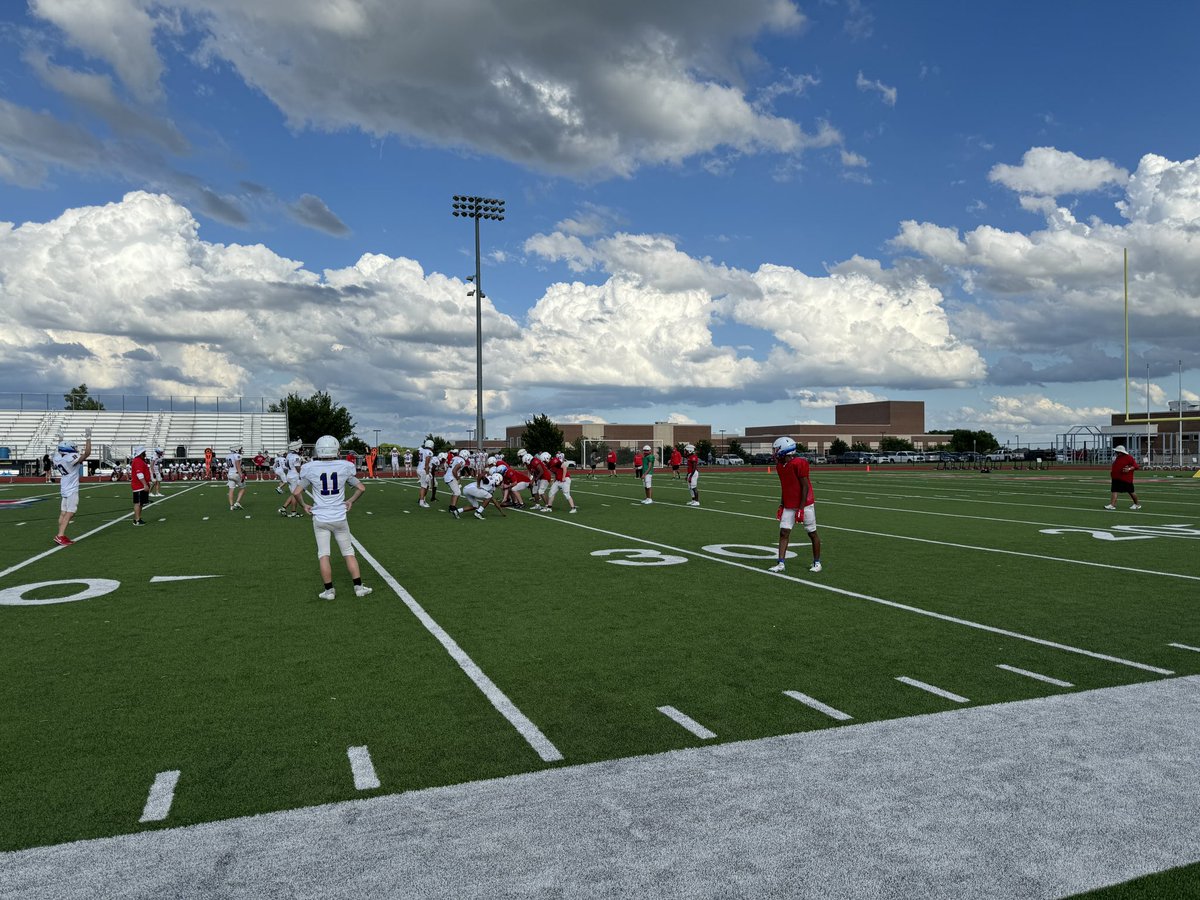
x=162, y=795
x=532, y=734
x=161, y=578
x=991, y=629
x=687, y=722
x=819, y=706
x=362, y=769
x=1028, y=674
x=1185, y=647
x=919, y=540
x=921, y=685
x=88, y=534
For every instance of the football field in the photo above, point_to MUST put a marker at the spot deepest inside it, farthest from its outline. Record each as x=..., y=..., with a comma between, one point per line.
x=186, y=672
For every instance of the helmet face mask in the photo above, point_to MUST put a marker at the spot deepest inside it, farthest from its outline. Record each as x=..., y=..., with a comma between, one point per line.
x=327, y=447
x=544, y=456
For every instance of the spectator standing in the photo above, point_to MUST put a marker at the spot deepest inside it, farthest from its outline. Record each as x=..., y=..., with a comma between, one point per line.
x=676, y=461
x=46, y=471
x=612, y=463
x=1121, y=472
x=637, y=464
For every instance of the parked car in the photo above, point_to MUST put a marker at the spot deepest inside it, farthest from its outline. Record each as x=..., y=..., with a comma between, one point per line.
x=730, y=459
x=853, y=458
x=761, y=459
x=999, y=456
x=815, y=459
x=904, y=456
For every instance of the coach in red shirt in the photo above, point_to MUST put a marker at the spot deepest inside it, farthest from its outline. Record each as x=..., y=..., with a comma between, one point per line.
x=1122, y=471
x=139, y=480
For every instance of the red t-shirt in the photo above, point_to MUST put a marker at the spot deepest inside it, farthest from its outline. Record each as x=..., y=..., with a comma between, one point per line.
x=140, y=468
x=512, y=476
x=791, y=471
x=1123, y=467
x=676, y=457
x=637, y=460
x=612, y=456
x=558, y=470
x=538, y=470
x=693, y=464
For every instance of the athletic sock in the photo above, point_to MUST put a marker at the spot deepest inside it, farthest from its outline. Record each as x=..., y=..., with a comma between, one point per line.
x=358, y=582
x=329, y=585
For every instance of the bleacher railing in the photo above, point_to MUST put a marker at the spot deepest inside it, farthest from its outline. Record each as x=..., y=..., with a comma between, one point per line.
x=136, y=403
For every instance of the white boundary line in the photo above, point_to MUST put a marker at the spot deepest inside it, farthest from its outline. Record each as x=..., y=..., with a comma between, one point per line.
x=919, y=540
x=162, y=795
x=88, y=534
x=532, y=734
x=687, y=722
x=362, y=768
x=819, y=706
x=992, y=629
x=1028, y=674
x=1185, y=647
x=925, y=686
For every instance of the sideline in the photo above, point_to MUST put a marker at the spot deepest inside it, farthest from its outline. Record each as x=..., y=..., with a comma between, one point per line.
x=88, y=534
x=1048, y=797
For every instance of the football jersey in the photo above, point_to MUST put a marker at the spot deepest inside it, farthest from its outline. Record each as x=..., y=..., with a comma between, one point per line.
x=293, y=461
x=328, y=479
x=558, y=471
x=791, y=471
x=68, y=465
x=693, y=463
x=425, y=464
x=233, y=461
x=454, y=470
x=648, y=462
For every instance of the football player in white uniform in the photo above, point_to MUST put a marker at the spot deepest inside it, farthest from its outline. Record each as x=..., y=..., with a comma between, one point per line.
x=479, y=493
x=455, y=469
x=67, y=462
x=327, y=477
x=233, y=477
x=156, y=467
x=425, y=471
x=291, y=477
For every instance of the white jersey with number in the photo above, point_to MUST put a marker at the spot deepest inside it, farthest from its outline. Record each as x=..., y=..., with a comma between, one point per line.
x=68, y=466
x=327, y=479
x=426, y=464
x=293, y=461
x=233, y=467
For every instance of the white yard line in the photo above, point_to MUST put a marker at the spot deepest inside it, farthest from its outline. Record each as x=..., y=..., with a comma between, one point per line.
x=919, y=540
x=532, y=734
x=992, y=629
x=88, y=534
x=1034, y=675
x=362, y=769
x=687, y=722
x=162, y=795
x=820, y=707
x=933, y=689
x=1185, y=647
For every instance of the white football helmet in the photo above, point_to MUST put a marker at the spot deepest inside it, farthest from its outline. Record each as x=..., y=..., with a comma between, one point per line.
x=295, y=445
x=560, y=455
x=544, y=456
x=464, y=454
x=65, y=446
x=783, y=446
x=688, y=448
x=495, y=478
x=428, y=443
x=442, y=456
x=491, y=460
x=646, y=448
x=327, y=447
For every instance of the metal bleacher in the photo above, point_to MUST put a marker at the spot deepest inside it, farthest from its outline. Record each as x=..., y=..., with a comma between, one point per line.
x=27, y=434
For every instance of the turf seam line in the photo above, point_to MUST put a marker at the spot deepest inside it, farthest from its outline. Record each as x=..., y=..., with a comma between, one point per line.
x=932, y=689
x=524, y=725
x=813, y=703
x=686, y=721
x=87, y=534
x=1034, y=675
x=993, y=629
x=162, y=795
x=362, y=768
x=919, y=540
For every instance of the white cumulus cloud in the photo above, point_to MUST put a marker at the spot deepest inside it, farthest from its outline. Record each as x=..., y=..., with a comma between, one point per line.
x=1048, y=172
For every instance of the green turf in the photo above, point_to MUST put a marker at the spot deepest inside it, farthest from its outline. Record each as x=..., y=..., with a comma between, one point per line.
x=1182, y=883
x=253, y=688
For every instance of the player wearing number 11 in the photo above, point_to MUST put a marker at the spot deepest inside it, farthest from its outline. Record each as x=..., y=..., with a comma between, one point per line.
x=328, y=477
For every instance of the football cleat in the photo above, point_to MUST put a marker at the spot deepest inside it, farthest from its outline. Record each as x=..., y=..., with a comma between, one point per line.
x=236, y=506
x=479, y=515
x=1136, y=506
x=361, y=590
x=327, y=595
x=1109, y=506
x=573, y=510
x=778, y=567
x=647, y=502
x=423, y=505
x=138, y=522
x=62, y=540
x=815, y=567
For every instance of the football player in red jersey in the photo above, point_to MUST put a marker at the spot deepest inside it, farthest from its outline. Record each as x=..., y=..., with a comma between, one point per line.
x=693, y=475
x=797, y=502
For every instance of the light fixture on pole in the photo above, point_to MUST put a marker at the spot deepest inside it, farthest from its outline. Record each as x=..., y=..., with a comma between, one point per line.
x=478, y=208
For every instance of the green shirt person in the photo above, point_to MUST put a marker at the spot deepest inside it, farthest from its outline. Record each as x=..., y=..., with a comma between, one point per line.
x=647, y=472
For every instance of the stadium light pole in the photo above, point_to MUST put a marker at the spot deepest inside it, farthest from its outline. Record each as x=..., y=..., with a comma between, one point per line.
x=478, y=208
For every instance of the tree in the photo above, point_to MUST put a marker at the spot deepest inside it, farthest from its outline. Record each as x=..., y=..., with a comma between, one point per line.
x=892, y=444
x=860, y=447
x=838, y=447
x=440, y=444
x=735, y=448
x=541, y=435
x=704, y=449
x=78, y=398
x=309, y=419
x=963, y=440
x=357, y=444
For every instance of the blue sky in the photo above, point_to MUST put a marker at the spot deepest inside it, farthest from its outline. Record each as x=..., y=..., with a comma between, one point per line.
x=729, y=215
